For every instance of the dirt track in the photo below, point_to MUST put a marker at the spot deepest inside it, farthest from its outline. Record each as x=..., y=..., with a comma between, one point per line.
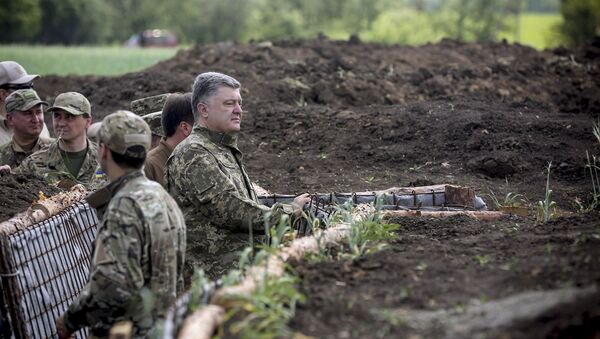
x=349, y=116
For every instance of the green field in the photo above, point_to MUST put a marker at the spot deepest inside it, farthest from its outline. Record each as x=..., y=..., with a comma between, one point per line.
x=61, y=60
x=537, y=30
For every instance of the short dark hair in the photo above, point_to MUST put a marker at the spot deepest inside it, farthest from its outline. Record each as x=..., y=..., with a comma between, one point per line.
x=127, y=161
x=177, y=108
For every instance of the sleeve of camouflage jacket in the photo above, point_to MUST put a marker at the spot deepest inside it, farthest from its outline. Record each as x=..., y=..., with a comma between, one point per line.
x=116, y=273
x=216, y=197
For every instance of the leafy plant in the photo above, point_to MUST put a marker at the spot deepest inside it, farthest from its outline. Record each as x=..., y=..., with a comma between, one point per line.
x=510, y=200
x=546, y=209
x=483, y=259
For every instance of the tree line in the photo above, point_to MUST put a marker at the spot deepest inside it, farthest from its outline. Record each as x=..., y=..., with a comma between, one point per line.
x=71, y=22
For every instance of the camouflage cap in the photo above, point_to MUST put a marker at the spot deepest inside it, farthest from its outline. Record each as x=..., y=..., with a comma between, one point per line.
x=72, y=102
x=23, y=100
x=122, y=130
x=154, y=120
x=13, y=73
x=149, y=105
x=92, y=131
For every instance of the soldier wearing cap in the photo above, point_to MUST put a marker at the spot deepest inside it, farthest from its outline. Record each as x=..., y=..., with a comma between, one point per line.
x=13, y=77
x=207, y=177
x=177, y=120
x=139, y=250
x=72, y=157
x=150, y=110
x=26, y=116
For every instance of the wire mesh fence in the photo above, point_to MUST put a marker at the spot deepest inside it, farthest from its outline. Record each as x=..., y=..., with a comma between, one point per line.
x=44, y=267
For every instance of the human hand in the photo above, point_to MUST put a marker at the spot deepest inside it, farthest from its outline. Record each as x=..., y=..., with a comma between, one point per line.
x=63, y=333
x=299, y=202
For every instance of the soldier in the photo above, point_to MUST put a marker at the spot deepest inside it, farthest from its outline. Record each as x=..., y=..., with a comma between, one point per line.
x=150, y=110
x=26, y=116
x=137, y=263
x=72, y=157
x=177, y=121
x=13, y=77
x=206, y=176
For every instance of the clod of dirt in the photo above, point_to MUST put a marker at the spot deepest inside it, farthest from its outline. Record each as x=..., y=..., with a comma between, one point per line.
x=18, y=193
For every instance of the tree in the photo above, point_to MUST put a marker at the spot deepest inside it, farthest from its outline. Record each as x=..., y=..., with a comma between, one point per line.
x=20, y=21
x=581, y=20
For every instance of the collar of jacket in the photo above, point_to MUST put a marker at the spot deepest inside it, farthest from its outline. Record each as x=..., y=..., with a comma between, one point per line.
x=100, y=198
x=225, y=139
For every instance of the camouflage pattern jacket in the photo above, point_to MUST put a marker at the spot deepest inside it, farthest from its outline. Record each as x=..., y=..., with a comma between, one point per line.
x=137, y=263
x=206, y=176
x=12, y=154
x=49, y=165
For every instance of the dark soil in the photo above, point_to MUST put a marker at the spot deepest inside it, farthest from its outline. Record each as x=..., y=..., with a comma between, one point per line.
x=449, y=264
x=325, y=115
x=18, y=193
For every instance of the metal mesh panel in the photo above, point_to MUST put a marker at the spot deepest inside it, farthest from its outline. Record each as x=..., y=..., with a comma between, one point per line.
x=44, y=268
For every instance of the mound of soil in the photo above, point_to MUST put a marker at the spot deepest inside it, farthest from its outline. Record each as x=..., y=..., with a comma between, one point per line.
x=19, y=192
x=455, y=264
x=325, y=115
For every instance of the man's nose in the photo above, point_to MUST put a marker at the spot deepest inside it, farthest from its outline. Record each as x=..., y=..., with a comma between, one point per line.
x=237, y=108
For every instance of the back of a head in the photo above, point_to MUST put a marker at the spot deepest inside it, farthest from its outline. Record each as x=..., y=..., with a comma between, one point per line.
x=207, y=84
x=127, y=136
x=178, y=108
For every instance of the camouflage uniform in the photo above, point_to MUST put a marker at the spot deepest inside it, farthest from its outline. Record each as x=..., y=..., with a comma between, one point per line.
x=49, y=165
x=12, y=73
x=12, y=154
x=149, y=105
x=206, y=176
x=137, y=264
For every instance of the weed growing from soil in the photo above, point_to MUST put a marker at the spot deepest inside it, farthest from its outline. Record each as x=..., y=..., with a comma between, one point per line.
x=369, y=235
x=510, y=200
x=592, y=167
x=483, y=259
x=546, y=209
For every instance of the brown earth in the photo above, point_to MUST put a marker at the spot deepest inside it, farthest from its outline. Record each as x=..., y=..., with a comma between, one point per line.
x=18, y=193
x=327, y=115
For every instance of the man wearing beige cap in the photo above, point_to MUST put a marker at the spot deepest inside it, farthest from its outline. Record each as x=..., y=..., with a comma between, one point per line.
x=13, y=77
x=26, y=116
x=140, y=246
x=72, y=157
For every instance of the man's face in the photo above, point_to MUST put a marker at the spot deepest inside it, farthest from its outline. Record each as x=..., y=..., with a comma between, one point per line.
x=223, y=112
x=70, y=127
x=27, y=123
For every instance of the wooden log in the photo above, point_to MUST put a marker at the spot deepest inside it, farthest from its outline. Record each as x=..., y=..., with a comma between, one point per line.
x=202, y=323
x=481, y=215
x=43, y=210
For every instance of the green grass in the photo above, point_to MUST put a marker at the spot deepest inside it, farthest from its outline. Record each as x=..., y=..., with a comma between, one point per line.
x=537, y=30
x=101, y=60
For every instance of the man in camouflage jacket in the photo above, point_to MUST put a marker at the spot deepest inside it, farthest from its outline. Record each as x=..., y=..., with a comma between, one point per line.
x=137, y=262
x=72, y=157
x=207, y=177
x=25, y=113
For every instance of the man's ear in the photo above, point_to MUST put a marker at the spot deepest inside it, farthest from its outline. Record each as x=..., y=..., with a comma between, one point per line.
x=185, y=128
x=9, y=119
x=4, y=94
x=202, y=110
x=89, y=123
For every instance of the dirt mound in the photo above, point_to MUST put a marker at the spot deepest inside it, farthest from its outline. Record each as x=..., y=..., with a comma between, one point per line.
x=342, y=74
x=443, y=268
x=19, y=191
x=325, y=115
